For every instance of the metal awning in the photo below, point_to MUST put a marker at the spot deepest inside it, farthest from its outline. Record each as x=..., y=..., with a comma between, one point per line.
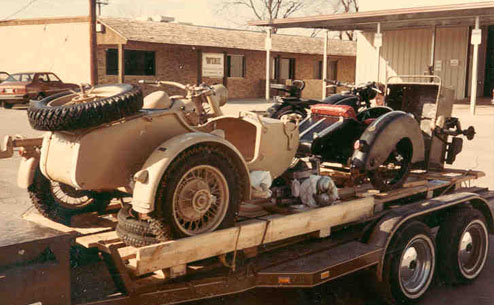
x=444, y=15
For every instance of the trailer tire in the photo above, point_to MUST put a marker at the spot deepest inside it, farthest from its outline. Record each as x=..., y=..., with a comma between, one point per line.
x=179, y=216
x=54, y=113
x=462, y=236
x=135, y=240
x=51, y=205
x=411, y=250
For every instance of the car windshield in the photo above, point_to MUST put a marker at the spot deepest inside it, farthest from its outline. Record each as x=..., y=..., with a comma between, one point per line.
x=3, y=76
x=20, y=77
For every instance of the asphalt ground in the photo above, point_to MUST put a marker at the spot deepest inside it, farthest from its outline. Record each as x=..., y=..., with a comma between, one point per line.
x=354, y=289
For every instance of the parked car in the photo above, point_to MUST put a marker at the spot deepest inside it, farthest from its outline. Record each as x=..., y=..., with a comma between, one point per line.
x=3, y=76
x=20, y=88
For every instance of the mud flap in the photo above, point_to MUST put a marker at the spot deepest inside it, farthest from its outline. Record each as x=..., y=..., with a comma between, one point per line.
x=27, y=168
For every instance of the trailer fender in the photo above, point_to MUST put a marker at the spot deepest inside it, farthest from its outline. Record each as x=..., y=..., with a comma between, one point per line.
x=149, y=177
x=25, y=174
x=382, y=136
x=383, y=232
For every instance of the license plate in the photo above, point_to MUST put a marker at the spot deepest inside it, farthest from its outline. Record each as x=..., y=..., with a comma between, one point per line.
x=9, y=91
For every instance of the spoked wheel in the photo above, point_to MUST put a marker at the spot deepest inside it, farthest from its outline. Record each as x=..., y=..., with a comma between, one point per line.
x=59, y=202
x=409, y=264
x=199, y=193
x=200, y=200
x=463, y=245
x=394, y=172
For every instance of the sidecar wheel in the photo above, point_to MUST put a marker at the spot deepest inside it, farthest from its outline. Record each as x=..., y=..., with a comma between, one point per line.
x=199, y=193
x=395, y=170
x=59, y=202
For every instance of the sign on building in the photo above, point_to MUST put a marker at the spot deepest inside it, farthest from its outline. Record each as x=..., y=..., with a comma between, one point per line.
x=213, y=65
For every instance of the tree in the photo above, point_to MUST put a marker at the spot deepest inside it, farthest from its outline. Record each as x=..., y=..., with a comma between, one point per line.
x=347, y=6
x=270, y=9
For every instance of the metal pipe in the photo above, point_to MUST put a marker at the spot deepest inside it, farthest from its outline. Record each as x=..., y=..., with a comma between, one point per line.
x=378, y=44
x=268, y=61
x=325, y=64
x=433, y=47
x=475, y=42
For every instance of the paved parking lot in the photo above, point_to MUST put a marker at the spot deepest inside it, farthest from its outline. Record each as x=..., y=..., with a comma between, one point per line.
x=477, y=154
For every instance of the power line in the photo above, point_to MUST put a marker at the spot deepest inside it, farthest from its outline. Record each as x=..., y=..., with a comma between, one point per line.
x=20, y=10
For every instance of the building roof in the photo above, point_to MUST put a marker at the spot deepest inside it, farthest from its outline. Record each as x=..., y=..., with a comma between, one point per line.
x=450, y=15
x=192, y=35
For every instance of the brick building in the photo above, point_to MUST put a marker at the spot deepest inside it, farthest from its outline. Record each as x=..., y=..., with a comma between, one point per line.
x=129, y=50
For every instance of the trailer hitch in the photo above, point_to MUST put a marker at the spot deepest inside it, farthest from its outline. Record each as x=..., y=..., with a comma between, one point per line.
x=26, y=146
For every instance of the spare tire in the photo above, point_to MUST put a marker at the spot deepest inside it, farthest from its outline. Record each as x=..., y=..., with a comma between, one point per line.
x=72, y=110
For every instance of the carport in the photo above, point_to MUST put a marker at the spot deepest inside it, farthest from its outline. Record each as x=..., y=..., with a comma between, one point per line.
x=467, y=21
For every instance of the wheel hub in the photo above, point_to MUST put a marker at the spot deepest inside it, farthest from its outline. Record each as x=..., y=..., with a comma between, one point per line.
x=202, y=200
x=415, y=267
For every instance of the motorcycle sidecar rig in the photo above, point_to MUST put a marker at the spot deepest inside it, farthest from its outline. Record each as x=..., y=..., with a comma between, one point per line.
x=385, y=143
x=186, y=170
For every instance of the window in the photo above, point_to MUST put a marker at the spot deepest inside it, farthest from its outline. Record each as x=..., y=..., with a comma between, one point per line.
x=53, y=77
x=235, y=65
x=43, y=78
x=136, y=62
x=139, y=62
x=112, y=62
x=283, y=68
x=332, y=68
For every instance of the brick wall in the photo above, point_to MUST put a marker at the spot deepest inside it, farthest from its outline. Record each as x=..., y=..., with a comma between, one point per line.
x=180, y=64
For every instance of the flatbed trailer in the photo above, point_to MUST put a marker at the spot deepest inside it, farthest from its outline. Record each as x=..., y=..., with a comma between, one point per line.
x=290, y=248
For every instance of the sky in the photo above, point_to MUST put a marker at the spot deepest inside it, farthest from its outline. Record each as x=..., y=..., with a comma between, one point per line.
x=199, y=12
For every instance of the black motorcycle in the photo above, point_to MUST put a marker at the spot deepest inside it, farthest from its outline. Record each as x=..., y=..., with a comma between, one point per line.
x=292, y=103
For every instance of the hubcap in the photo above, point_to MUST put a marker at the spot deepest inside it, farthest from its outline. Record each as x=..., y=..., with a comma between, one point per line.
x=472, y=251
x=416, y=265
x=200, y=200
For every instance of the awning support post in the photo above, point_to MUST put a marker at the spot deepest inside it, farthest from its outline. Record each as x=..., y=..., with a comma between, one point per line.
x=325, y=64
x=268, y=61
x=378, y=40
x=475, y=40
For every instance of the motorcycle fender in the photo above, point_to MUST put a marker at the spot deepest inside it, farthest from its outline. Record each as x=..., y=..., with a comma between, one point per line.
x=382, y=136
x=148, y=179
x=25, y=174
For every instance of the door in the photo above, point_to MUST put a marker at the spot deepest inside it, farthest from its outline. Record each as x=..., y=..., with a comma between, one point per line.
x=489, y=63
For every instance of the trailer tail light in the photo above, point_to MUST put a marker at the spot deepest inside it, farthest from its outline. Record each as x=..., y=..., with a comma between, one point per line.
x=20, y=90
x=361, y=145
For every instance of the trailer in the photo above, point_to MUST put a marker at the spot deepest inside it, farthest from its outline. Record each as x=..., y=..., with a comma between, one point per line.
x=290, y=247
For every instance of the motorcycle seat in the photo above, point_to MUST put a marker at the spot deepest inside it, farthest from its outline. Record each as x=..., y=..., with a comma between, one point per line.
x=344, y=111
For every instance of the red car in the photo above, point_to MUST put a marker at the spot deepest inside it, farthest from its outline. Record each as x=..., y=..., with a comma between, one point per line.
x=23, y=87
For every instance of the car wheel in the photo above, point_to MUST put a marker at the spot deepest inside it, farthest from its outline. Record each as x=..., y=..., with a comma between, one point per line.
x=74, y=110
x=463, y=245
x=199, y=193
x=59, y=202
x=409, y=264
x=395, y=170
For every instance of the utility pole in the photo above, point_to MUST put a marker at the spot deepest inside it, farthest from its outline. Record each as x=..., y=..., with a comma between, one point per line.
x=101, y=3
x=92, y=43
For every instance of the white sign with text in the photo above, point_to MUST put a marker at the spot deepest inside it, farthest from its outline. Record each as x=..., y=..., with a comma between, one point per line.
x=213, y=65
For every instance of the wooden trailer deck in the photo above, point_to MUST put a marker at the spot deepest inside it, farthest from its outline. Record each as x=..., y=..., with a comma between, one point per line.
x=171, y=259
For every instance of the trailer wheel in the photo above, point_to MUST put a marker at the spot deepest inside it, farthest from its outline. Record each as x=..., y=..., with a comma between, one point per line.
x=463, y=245
x=77, y=110
x=394, y=172
x=409, y=264
x=199, y=193
x=59, y=202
